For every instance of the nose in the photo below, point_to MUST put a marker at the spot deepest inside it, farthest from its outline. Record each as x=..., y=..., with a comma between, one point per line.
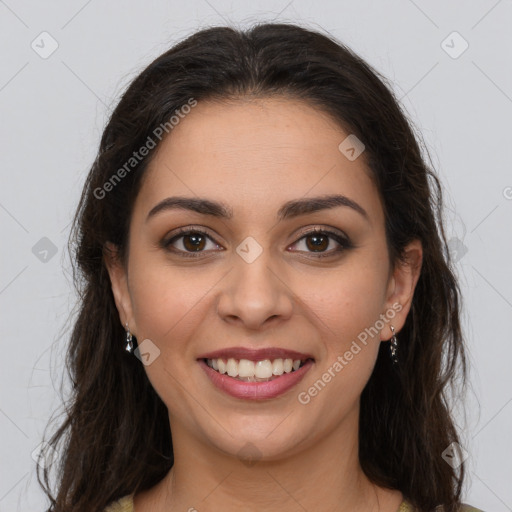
x=254, y=295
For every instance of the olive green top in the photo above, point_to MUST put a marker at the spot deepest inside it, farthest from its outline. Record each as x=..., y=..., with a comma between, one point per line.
x=125, y=504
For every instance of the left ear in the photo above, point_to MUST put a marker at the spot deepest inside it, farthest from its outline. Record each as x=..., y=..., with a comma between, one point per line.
x=402, y=285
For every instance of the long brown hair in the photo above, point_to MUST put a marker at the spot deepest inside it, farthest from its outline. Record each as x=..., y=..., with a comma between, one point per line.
x=115, y=436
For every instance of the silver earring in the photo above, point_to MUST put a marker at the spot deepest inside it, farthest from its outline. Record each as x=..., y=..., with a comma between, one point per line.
x=129, y=344
x=393, y=347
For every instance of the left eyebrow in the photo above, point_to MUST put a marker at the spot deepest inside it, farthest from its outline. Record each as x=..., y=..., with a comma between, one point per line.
x=303, y=206
x=289, y=210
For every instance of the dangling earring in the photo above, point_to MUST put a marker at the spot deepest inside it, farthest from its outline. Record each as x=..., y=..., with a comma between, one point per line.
x=129, y=344
x=393, y=346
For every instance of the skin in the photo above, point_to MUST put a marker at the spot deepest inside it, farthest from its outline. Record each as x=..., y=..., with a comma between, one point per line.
x=254, y=155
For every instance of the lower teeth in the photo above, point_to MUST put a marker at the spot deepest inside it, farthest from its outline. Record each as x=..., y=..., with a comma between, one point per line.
x=255, y=379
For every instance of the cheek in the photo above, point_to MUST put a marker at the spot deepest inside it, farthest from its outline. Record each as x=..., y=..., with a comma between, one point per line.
x=170, y=306
x=345, y=307
x=163, y=295
x=345, y=311
x=345, y=302
x=167, y=301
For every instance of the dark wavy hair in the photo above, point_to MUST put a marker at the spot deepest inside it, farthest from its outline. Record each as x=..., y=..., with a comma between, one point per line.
x=115, y=437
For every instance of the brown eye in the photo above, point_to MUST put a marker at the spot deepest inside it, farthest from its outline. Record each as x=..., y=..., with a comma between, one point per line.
x=191, y=242
x=319, y=241
x=194, y=242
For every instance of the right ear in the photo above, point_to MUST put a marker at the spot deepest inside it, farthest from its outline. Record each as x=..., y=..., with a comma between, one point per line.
x=119, y=282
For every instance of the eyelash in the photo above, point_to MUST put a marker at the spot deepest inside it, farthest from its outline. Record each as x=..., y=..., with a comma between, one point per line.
x=344, y=242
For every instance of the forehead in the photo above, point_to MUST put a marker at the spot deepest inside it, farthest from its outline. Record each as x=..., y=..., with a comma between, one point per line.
x=256, y=153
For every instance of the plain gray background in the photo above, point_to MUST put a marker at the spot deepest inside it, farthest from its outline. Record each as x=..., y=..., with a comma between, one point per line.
x=53, y=110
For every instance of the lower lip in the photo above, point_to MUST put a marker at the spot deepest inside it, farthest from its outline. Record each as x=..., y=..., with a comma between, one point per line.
x=256, y=390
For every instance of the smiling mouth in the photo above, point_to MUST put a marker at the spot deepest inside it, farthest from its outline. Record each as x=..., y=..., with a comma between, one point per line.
x=264, y=370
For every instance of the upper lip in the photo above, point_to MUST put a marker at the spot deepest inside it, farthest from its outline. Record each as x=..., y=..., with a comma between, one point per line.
x=255, y=354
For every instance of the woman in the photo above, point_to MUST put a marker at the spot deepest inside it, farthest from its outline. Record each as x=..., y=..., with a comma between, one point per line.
x=265, y=276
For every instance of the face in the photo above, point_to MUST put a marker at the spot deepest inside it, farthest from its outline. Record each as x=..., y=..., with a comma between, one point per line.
x=309, y=281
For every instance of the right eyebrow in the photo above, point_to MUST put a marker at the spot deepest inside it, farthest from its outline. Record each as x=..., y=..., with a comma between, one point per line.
x=198, y=205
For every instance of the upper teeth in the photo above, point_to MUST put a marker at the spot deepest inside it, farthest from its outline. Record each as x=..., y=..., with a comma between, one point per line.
x=260, y=369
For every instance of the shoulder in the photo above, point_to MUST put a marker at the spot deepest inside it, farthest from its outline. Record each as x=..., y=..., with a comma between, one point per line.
x=124, y=504
x=407, y=507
